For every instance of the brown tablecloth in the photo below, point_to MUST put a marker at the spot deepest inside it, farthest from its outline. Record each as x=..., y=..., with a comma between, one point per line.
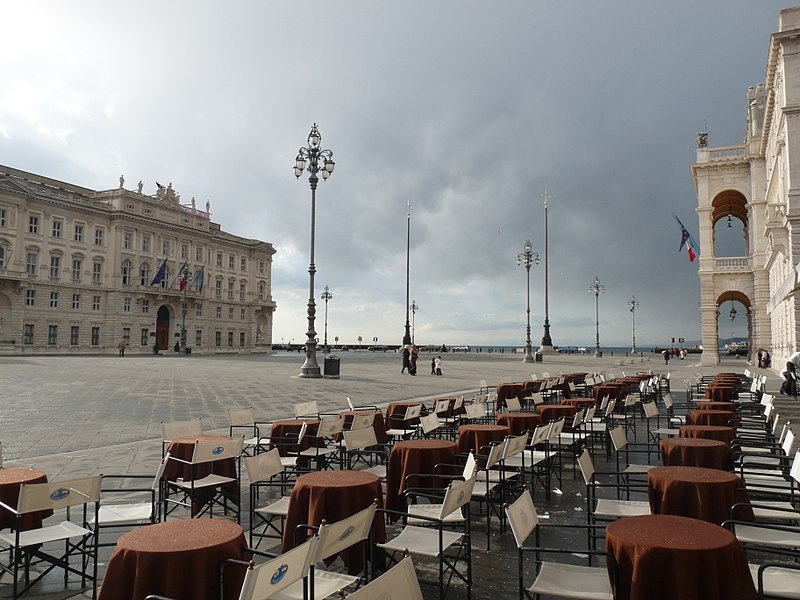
x=697, y=492
x=285, y=431
x=580, y=402
x=397, y=410
x=712, y=405
x=10, y=482
x=665, y=557
x=471, y=438
x=414, y=456
x=333, y=496
x=176, y=559
x=613, y=389
x=721, y=418
x=709, y=432
x=378, y=423
x=696, y=452
x=520, y=422
x=509, y=390
x=183, y=448
x=721, y=392
x=551, y=412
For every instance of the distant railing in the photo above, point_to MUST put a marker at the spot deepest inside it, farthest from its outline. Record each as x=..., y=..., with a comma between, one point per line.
x=733, y=263
x=727, y=152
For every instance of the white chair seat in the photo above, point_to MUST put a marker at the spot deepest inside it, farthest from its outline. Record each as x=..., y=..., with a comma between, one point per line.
x=210, y=480
x=637, y=469
x=778, y=582
x=325, y=584
x=665, y=431
x=53, y=533
x=288, y=462
x=749, y=534
x=613, y=509
x=125, y=514
x=421, y=540
x=277, y=508
x=400, y=432
x=778, y=511
x=312, y=452
x=378, y=470
x=573, y=581
x=432, y=512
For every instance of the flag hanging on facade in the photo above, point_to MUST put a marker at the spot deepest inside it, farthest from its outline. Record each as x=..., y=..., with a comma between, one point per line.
x=160, y=274
x=686, y=240
x=199, y=278
x=182, y=275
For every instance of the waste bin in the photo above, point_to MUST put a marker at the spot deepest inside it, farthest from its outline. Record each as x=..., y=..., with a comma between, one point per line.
x=538, y=357
x=188, y=350
x=331, y=367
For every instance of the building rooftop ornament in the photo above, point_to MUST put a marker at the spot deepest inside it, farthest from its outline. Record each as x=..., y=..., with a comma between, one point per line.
x=702, y=139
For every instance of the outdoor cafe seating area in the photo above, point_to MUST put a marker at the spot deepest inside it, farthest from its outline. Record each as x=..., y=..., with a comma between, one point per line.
x=678, y=489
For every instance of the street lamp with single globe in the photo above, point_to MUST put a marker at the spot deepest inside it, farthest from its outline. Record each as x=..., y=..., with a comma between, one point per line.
x=414, y=309
x=633, y=304
x=326, y=295
x=597, y=288
x=315, y=160
x=527, y=258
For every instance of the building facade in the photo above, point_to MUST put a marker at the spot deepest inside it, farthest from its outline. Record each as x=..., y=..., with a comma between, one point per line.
x=78, y=266
x=753, y=185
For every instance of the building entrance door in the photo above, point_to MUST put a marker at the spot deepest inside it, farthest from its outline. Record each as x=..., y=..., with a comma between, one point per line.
x=162, y=328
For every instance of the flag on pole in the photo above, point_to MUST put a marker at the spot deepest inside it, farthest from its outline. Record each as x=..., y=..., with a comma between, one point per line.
x=686, y=240
x=183, y=273
x=160, y=274
x=199, y=278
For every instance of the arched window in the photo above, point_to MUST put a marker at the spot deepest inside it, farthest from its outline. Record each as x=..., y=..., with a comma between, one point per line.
x=127, y=272
x=144, y=274
x=2, y=258
x=261, y=289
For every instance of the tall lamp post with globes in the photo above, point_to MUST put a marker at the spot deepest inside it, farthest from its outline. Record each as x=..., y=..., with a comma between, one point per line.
x=407, y=333
x=547, y=342
x=527, y=258
x=633, y=304
x=597, y=288
x=326, y=296
x=315, y=160
x=414, y=309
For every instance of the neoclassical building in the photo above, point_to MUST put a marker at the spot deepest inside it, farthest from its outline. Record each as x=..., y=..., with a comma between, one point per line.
x=756, y=186
x=81, y=270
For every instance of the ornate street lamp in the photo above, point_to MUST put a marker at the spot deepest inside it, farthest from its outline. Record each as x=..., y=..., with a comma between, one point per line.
x=326, y=295
x=314, y=160
x=597, y=288
x=407, y=334
x=633, y=304
x=547, y=342
x=414, y=309
x=527, y=258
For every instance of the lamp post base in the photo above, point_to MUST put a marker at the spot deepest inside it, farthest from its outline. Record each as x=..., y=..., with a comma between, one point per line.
x=310, y=368
x=598, y=354
x=547, y=350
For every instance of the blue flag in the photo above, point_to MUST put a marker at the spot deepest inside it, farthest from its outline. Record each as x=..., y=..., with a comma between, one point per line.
x=162, y=271
x=199, y=278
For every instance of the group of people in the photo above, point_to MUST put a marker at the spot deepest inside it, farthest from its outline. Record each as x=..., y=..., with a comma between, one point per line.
x=764, y=359
x=410, y=356
x=789, y=374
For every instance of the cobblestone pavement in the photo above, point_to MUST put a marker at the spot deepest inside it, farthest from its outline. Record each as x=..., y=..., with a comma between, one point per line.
x=74, y=416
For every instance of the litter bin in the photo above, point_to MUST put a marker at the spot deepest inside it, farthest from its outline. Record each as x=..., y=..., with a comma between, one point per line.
x=188, y=350
x=537, y=357
x=331, y=367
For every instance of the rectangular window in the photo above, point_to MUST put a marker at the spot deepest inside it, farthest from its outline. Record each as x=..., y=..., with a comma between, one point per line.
x=241, y=339
x=78, y=237
x=98, y=236
x=218, y=289
x=27, y=334
x=74, y=334
x=33, y=224
x=231, y=261
x=126, y=305
x=230, y=290
x=218, y=339
x=76, y=301
x=145, y=305
x=261, y=266
x=52, y=335
x=77, y=268
x=230, y=313
x=184, y=251
x=3, y=217
x=53, y=299
x=95, y=302
x=243, y=264
x=127, y=240
x=230, y=339
x=199, y=309
x=30, y=263
x=219, y=312
x=97, y=273
x=219, y=259
x=58, y=226
x=30, y=297
x=145, y=243
x=198, y=338
x=198, y=254
x=95, y=336
x=126, y=335
x=242, y=313
x=165, y=247
x=145, y=336
x=55, y=267
x=242, y=291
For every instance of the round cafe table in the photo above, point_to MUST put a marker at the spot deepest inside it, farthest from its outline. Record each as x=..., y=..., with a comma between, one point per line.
x=520, y=422
x=414, y=456
x=666, y=557
x=697, y=492
x=285, y=431
x=176, y=559
x=10, y=482
x=712, y=405
x=721, y=392
x=333, y=496
x=709, y=432
x=378, y=424
x=396, y=411
x=472, y=438
x=551, y=412
x=509, y=390
x=696, y=452
x=721, y=418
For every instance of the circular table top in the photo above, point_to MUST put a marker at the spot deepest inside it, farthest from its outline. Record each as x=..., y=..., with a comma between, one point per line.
x=180, y=536
x=297, y=422
x=700, y=475
x=671, y=532
x=423, y=444
x=20, y=476
x=337, y=479
x=685, y=430
x=492, y=428
x=692, y=443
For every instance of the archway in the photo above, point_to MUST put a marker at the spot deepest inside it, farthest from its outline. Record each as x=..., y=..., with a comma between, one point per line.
x=162, y=327
x=5, y=318
x=730, y=222
x=739, y=318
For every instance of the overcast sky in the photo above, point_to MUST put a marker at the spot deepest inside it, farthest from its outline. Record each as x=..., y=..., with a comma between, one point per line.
x=467, y=110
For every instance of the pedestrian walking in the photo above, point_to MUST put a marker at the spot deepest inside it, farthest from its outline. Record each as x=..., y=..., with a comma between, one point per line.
x=666, y=357
x=412, y=359
x=406, y=360
x=121, y=348
x=433, y=366
x=789, y=374
x=438, y=365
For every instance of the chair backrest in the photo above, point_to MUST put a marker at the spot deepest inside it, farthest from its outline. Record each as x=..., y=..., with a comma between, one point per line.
x=522, y=517
x=577, y=419
x=650, y=409
x=162, y=466
x=430, y=423
x=363, y=420
x=480, y=398
x=398, y=582
x=338, y=536
x=412, y=412
x=211, y=450
x=515, y=444
x=330, y=426
x=630, y=400
x=612, y=404
x=170, y=431
x=556, y=429
x=587, y=467
x=590, y=413
x=302, y=433
x=306, y=409
x=475, y=411
x=238, y=417
x=483, y=384
x=58, y=494
x=545, y=375
x=458, y=494
x=349, y=402
x=496, y=452
x=537, y=398
x=541, y=434
x=470, y=467
x=794, y=472
x=668, y=400
x=513, y=404
x=271, y=577
x=441, y=406
x=788, y=442
x=767, y=399
x=359, y=439
x=264, y=466
x=458, y=403
x=619, y=438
